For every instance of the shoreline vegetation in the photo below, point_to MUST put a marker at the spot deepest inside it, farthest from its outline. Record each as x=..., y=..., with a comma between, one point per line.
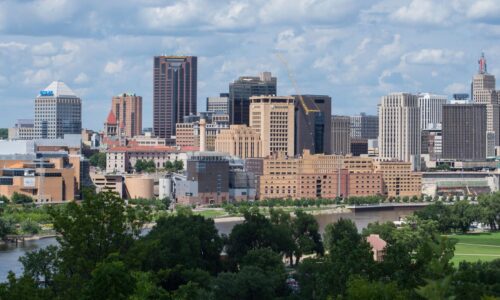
x=276, y=252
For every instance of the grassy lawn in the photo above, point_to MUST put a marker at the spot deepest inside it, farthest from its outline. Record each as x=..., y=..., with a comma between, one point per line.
x=210, y=213
x=474, y=247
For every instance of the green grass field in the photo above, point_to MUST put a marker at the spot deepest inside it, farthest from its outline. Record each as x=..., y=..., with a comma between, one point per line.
x=476, y=246
x=211, y=213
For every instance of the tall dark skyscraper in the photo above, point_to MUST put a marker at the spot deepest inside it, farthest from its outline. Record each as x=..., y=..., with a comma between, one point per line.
x=313, y=129
x=174, y=92
x=464, y=131
x=242, y=89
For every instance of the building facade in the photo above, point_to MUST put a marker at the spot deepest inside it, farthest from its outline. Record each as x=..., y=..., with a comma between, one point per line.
x=464, y=131
x=399, y=128
x=219, y=105
x=483, y=91
x=123, y=159
x=58, y=111
x=341, y=135
x=313, y=123
x=431, y=109
x=364, y=126
x=24, y=129
x=127, y=109
x=174, y=92
x=239, y=140
x=398, y=178
x=245, y=87
x=273, y=118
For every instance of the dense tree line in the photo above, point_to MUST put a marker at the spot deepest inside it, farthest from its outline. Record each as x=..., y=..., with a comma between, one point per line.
x=103, y=255
x=461, y=215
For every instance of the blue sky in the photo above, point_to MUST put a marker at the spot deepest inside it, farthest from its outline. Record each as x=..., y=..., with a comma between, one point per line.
x=354, y=51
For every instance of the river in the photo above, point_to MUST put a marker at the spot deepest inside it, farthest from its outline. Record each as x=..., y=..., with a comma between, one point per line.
x=9, y=253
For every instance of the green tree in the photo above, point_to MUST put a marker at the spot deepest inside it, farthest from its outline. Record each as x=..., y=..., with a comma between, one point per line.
x=463, y=214
x=4, y=133
x=249, y=283
x=147, y=166
x=98, y=159
x=188, y=240
x=305, y=234
x=19, y=198
x=362, y=289
x=490, y=213
x=7, y=226
x=42, y=265
x=349, y=253
x=23, y=288
x=385, y=230
x=110, y=280
x=89, y=233
x=30, y=227
x=258, y=232
x=440, y=213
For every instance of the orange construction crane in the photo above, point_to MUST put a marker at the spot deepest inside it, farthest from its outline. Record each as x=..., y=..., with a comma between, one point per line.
x=307, y=109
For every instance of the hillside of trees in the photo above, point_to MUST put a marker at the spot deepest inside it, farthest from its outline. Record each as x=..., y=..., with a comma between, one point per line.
x=102, y=255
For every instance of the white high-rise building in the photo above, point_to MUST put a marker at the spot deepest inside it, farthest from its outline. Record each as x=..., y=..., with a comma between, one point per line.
x=399, y=128
x=58, y=111
x=431, y=109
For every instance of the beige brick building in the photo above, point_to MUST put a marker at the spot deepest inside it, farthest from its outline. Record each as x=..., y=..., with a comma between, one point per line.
x=398, y=179
x=330, y=176
x=239, y=140
x=273, y=118
x=128, y=111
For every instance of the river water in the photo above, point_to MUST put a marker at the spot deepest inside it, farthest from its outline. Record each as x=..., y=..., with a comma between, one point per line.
x=10, y=253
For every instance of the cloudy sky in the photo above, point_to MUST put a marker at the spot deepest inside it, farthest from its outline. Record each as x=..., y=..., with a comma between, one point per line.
x=354, y=51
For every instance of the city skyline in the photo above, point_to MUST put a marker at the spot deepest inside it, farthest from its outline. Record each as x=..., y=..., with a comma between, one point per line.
x=414, y=48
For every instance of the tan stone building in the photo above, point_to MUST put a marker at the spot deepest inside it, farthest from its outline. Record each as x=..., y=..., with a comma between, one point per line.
x=188, y=134
x=46, y=181
x=273, y=118
x=330, y=176
x=127, y=109
x=239, y=140
x=398, y=178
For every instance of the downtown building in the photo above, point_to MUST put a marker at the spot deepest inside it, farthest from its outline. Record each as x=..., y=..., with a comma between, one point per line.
x=239, y=140
x=341, y=135
x=399, y=128
x=329, y=176
x=364, y=126
x=313, y=124
x=58, y=111
x=174, y=92
x=431, y=109
x=219, y=105
x=127, y=111
x=245, y=87
x=464, y=132
x=273, y=118
x=483, y=91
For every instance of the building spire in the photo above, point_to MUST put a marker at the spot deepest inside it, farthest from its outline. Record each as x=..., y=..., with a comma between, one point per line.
x=482, y=65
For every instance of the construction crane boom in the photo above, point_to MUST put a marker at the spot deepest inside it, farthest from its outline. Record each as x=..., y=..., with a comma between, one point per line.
x=307, y=109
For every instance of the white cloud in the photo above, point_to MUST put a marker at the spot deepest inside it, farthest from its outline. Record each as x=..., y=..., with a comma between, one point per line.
x=288, y=41
x=38, y=78
x=53, y=11
x=300, y=11
x=46, y=48
x=484, y=9
x=433, y=57
x=180, y=13
x=13, y=46
x=456, y=87
x=392, y=49
x=235, y=15
x=81, y=78
x=425, y=12
x=114, y=67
